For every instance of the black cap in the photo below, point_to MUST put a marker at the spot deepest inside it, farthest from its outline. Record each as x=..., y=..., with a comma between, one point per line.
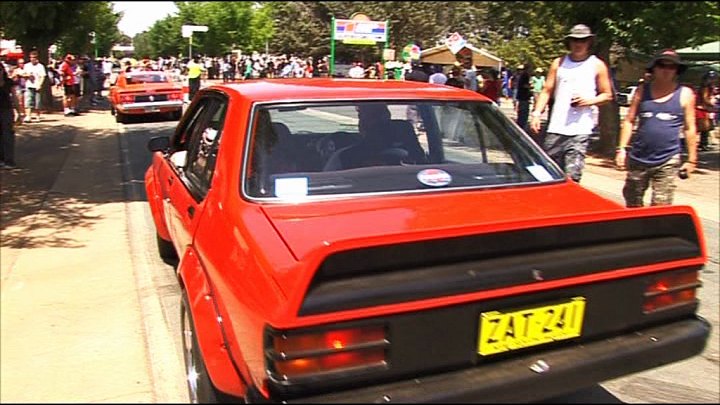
x=668, y=55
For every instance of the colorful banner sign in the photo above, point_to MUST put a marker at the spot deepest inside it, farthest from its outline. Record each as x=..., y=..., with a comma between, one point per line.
x=411, y=52
x=456, y=42
x=375, y=31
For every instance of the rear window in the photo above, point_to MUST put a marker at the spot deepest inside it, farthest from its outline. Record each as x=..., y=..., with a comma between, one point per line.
x=330, y=149
x=146, y=78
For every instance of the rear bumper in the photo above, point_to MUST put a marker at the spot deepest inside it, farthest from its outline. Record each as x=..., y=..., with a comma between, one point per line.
x=570, y=369
x=150, y=107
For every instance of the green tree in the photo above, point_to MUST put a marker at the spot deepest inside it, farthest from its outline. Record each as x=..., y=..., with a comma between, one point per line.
x=645, y=27
x=37, y=25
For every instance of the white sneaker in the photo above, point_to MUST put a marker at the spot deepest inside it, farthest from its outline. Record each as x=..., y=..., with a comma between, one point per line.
x=26, y=119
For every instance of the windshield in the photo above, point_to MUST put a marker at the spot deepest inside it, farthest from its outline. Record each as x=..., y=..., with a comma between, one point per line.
x=322, y=149
x=146, y=78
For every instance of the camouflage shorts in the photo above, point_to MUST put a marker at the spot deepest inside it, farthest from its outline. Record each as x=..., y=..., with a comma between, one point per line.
x=568, y=152
x=662, y=179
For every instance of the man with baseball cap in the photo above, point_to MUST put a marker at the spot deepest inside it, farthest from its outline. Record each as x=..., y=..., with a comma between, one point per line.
x=665, y=108
x=576, y=82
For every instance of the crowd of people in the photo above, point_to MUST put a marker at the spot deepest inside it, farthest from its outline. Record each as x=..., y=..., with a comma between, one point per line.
x=575, y=85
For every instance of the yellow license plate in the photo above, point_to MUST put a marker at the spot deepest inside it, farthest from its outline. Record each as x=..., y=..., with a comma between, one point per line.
x=504, y=331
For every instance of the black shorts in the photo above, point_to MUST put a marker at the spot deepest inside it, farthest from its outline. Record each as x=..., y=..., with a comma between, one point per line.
x=71, y=90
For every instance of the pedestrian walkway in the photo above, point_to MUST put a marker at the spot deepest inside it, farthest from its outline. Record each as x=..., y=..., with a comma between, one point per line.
x=71, y=326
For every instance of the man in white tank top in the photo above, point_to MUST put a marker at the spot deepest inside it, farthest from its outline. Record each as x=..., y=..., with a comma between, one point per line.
x=576, y=82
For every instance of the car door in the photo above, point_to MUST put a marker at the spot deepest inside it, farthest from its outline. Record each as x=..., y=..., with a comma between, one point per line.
x=189, y=186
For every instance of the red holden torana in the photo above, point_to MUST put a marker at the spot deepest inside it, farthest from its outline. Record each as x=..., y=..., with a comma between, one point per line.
x=145, y=92
x=384, y=241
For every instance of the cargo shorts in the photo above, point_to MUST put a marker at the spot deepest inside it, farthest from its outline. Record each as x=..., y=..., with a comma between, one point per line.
x=661, y=178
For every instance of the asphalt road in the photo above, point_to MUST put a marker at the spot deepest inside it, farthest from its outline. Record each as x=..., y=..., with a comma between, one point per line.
x=696, y=380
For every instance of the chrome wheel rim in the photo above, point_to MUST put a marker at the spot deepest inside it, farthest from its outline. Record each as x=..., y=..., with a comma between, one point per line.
x=190, y=362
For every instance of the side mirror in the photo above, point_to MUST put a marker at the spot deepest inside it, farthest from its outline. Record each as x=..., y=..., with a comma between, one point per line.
x=159, y=144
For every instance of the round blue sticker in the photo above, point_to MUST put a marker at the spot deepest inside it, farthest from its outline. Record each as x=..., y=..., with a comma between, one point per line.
x=434, y=177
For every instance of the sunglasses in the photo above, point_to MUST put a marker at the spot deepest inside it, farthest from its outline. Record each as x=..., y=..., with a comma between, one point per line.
x=579, y=39
x=666, y=65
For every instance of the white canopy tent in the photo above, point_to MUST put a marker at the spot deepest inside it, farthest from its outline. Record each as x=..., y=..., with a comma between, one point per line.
x=442, y=55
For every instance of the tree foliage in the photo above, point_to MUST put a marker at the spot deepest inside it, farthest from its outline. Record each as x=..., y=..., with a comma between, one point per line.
x=37, y=25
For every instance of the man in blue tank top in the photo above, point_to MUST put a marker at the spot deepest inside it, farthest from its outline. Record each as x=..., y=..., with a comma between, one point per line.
x=664, y=108
x=576, y=82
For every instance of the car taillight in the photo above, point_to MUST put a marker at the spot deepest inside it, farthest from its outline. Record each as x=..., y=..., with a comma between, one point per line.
x=670, y=290
x=293, y=355
x=175, y=96
x=127, y=99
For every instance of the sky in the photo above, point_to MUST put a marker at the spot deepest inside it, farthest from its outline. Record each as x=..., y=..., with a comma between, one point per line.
x=139, y=16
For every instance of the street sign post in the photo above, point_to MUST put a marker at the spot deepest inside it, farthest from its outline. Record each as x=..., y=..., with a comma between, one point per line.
x=187, y=32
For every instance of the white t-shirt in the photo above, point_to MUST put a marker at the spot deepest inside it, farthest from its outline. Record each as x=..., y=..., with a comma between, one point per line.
x=356, y=72
x=37, y=71
x=573, y=78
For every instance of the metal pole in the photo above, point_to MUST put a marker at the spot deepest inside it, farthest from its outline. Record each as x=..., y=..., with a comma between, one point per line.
x=190, y=46
x=332, y=47
x=387, y=46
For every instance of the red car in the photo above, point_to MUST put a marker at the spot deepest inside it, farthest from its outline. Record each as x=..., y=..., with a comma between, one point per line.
x=145, y=92
x=385, y=241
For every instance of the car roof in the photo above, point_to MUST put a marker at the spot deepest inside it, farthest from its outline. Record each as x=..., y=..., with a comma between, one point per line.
x=342, y=89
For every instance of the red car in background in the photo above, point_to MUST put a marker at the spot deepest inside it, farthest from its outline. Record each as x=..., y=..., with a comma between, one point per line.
x=145, y=92
x=389, y=241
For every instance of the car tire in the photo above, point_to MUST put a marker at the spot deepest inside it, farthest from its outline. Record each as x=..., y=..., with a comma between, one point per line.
x=112, y=110
x=166, y=249
x=176, y=115
x=201, y=390
x=120, y=118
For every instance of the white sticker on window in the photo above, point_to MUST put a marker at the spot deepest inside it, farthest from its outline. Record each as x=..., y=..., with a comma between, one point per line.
x=539, y=173
x=291, y=187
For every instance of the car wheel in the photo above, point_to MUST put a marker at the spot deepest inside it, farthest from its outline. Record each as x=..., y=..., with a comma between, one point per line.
x=112, y=110
x=200, y=388
x=120, y=118
x=167, y=250
x=176, y=115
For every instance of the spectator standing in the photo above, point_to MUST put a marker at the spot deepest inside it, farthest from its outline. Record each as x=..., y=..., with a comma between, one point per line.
x=107, y=67
x=455, y=79
x=71, y=85
x=35, y=74
x=705, y=108
x=18, y=77
x=523, y=96
x=576, y=82
x=537, y=82
x=505, y=77
x=471, y=82
x=357, y=71
x=7, y=130
x=195, y=70
x=438, y=77
x=665, y=108
x=417, y=73
x=491, y=86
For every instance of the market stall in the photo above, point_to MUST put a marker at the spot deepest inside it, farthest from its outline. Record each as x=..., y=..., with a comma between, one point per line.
x=443, y=55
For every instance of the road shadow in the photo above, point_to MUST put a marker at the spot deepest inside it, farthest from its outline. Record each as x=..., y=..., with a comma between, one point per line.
x=39, y=205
